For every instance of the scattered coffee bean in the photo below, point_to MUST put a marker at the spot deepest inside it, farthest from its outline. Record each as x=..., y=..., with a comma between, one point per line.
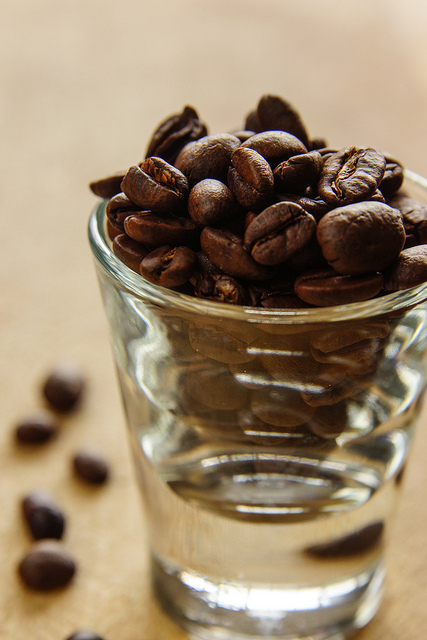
x=43, y=517
x=91, y=467
x=47, y=566
x=84, y=634
x=265, y=203
x=36, y=429
x=63, y=388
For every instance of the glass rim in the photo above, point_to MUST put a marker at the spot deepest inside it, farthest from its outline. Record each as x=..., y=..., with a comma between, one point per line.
x=170, y=299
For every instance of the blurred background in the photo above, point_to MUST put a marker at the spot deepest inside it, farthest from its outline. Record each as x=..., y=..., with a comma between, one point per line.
x=82, y=86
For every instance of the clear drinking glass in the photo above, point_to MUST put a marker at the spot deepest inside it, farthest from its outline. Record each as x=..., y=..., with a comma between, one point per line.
x=269, y=448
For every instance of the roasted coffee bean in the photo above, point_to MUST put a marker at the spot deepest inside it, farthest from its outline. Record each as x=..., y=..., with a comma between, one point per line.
x=361, y=238
x=84, y=634
x=317, y=144
x=351, y=175
x=275, y=113
x=227, y=343
x=393, y=177
x=316, y=206
x=326, y=288
x=345, y=336
x=250, y=178
x=212, y=384
x=264, y=434
x=174, y=133
x=169, y=266
x=43, y=516
x=331, y=394
x=409, y=270
x=330, y=421
x=275, y=146
x=156, y=186
x=280, y=407
x=47, y=566
x=210, y=201
x=252, y=122
x=64, y=387
x=220, y=288
x=299, y=172
x=282, y=300
x=91, y=467
x=155, y=231
x=118, y=208
x=129, y=251
x=36, y=429
x=360, y=541
x=414, y=216
x=227, y=252
x=107, y=187
x=208, y=157
x=279, y=232
x=243, y=134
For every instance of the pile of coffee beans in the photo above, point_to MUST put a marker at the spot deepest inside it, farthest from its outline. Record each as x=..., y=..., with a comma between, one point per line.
x=266, y=216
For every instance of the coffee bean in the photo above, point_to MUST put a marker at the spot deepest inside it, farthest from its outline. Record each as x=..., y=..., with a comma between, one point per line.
x=91, y=467
x=361, y=238
x=227, y=252
x=275, y=146
x=169, y=266
x=326, y=288
x=409, y=270
x=276, y=113
x=107, y=187
x=47, y=566
x=174, y=133
x=361, y=541
x=129, y=251
x=299, y=172
x=210, y=201
x=155, y=231
x=414, y=216
x=43, y=517
x=250, y=178
x=393, y=177
x=280, y=407
x=316, y=206
x=36, y=429
x=208, y=157
x=351, y=175
x=279, y=232
x=156, y=186
x=220, y=288
x=84, y=634
x=63, y=388
x=118, y=208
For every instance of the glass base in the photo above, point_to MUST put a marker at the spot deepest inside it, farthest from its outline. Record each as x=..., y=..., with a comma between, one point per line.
x=217, y=610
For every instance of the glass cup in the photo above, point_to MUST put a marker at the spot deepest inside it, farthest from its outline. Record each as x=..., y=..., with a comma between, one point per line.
x=269, y=448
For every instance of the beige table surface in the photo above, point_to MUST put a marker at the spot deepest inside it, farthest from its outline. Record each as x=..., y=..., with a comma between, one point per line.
x=83, y=84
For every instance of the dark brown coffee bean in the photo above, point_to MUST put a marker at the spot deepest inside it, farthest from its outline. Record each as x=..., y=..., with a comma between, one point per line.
x=220, y=288
x=275, y=146
x=42, y=515
x=326, y=392
x=107, y=187
x=326, y=288
x=156, y=186
x=351, y=175
x=393, y=177
x=118, y=208
x=279, y=232
x=227, y=343
x=208, y=157
x=250, y=178
x=275, y=113
x=91, y=467
x=409, y=270
x=361, y=238
x=414, y=216
x=212, y=384
x=36, y=429
x=281, y=300
x=169, y=266
x=360, y=541
x=155, y=231
x=47, y=566
x=210, y=201
x=227, y=252
x=84, y=634
x=129, y=251
x=297, y=173
x=280, y=407
x=63, y=388
x=316, y=206
x=243, y=134
x=174, y=133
